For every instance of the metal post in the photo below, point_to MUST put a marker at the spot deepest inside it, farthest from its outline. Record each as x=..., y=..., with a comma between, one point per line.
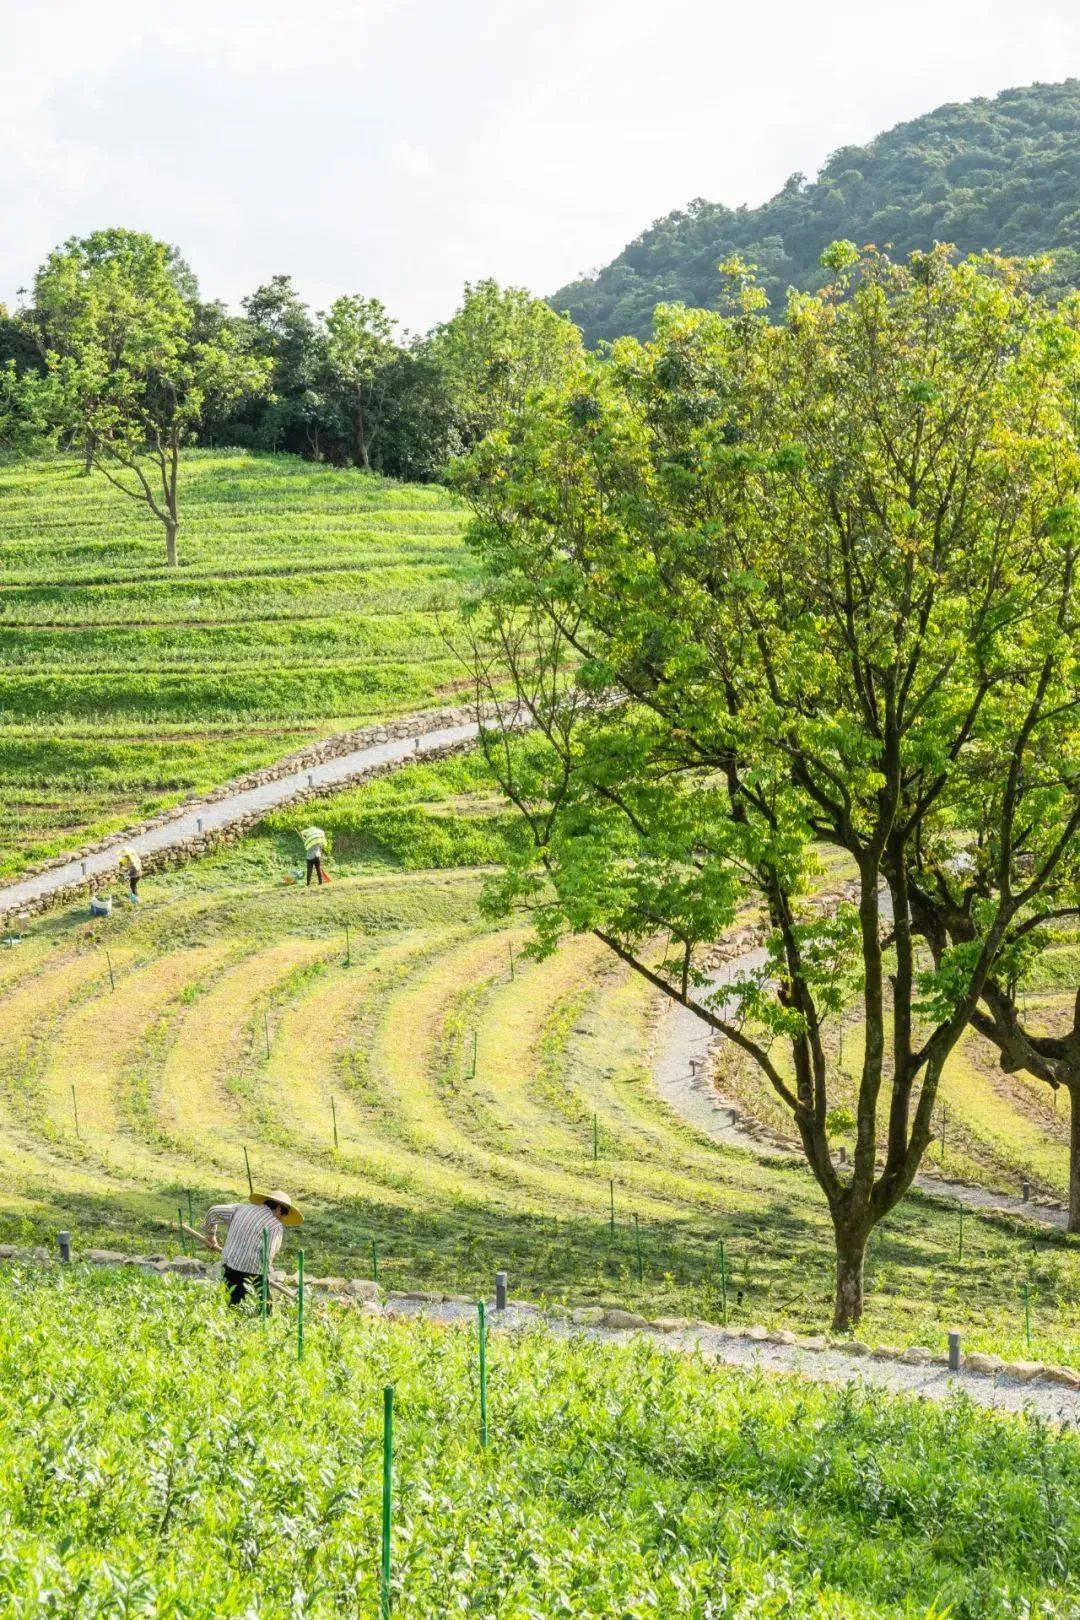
x=1025, y=1190
x=611, y=1192
x=264, y=1301
x=500, y=1290
x=333, y=1112
x=723, y=1281
x=180, y=1224
x=63, y=1243
x=112, y=981
x=374, y=1260
x=960, y=1242
x=266, y=1032
x=483, y=1372
x=954, y=1352
x=595, y=1140
x=348, y=948
x=75, y=1111
x=300, y=1305
x=199, y=824
x=387, y=1496
x=510, y=951
x=1027, y=1313
x=843, y=1154
x=637, y=1240
x=247, y=1167
x=311, y=779
x=473, y=1074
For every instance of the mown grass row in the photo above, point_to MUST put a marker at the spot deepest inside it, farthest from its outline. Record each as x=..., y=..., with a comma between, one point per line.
x=467, y=1081
x=308, y=600
x=197, y=1469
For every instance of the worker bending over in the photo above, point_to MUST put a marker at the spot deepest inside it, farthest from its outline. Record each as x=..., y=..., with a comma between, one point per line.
x=131, y=864
x=242, y=1254
x=314, y=845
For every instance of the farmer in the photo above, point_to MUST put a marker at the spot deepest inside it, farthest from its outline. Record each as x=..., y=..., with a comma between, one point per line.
x=242, y=1255
x=314, y=845
x=131, y=864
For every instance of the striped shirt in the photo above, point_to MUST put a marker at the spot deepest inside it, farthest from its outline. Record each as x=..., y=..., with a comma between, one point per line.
x=243, y=1249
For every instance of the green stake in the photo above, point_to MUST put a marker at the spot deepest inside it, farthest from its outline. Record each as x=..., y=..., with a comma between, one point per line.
x=266, y=1031
x=595, y=1141
x=333, y=1111
x=247, y=1167
x=473, y=1073
x=387, y=1495
x=637, y=1238
x=112, y=981
x=348, y=948
x=374, y=1261
x=723, y=1281
x=483, y=1372
x=190, y=1208
x=75, y=1111
x=510, y=953
x=180, y=1224
x=264, y=1300
x=960, y=1245
x=300, y=1305
x=1027, y=1313
x=611, y=1191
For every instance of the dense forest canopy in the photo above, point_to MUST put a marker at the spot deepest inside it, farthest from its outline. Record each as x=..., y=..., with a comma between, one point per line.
x=1001, y=174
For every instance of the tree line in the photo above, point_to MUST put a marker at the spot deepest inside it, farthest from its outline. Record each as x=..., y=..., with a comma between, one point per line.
x=116, y=355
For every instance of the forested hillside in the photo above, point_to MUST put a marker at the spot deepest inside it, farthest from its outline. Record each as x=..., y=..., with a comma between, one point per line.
x=983, y=174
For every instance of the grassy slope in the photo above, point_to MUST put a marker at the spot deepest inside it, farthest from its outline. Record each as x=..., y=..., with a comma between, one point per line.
x=237, y=1017
x=306, y=602
x=172, y=1476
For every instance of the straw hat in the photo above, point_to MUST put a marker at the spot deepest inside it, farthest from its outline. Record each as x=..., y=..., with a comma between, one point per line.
x=291, y=1217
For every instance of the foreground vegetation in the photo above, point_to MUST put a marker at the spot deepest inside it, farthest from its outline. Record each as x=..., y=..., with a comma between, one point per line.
x=173, y=1476
x=241, y=1010
x=307, y=601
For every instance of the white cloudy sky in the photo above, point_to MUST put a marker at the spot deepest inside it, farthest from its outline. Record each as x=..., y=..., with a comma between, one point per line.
x=400, y=147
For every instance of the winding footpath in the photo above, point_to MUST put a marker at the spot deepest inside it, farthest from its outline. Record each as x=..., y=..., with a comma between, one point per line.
x=216, y=813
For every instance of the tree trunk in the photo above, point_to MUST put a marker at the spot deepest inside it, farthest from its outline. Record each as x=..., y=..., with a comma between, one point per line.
x=88, y=455
x=850, y=1250
x=1074, y=1158
x=171, y=527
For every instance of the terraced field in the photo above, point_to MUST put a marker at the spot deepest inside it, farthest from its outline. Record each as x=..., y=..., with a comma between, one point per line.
x=306, y=601
x=465, y=1080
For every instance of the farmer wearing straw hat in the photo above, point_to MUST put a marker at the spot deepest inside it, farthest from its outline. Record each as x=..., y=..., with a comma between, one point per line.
x=242, y=1255
x=315, y=842
x=131, y=863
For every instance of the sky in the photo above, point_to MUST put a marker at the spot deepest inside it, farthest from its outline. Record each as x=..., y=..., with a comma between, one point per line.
x=399, y=148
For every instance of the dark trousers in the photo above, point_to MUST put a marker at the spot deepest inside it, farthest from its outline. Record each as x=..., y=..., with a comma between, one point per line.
x=315, y=865
x=133, y=880
x=240, y=1283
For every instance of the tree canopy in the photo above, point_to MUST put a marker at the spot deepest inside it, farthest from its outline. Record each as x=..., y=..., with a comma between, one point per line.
x=1000, y=174
x=761, y=588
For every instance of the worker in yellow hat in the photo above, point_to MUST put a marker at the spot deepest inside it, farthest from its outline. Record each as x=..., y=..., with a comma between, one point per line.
x=264, y=1216
x=131, y=864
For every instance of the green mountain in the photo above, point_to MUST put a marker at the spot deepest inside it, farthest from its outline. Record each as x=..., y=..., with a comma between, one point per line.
x=1001, y=173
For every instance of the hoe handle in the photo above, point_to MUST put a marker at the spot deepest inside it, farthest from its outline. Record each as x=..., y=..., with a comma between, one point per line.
x=215, y=1248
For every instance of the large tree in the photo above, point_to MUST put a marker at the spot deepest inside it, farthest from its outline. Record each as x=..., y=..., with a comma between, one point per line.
x=761, y=588
x=135, y=361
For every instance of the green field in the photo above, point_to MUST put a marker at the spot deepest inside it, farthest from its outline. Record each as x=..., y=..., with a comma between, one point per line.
x=307, y=601
x=240, y=1011
x=197, y=1469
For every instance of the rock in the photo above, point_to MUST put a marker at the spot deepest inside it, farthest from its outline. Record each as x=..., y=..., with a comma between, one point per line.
x=811, y=1341
x=856, y=1347
x=587, y=1316
x=106, y=1257
x=185, y=1265
x=363, y=1288
x=624, y=1319
x=326, y=1285
x=1023, y=1371
x=783, y=1336
x=1061, y=1375
x=8, y=1251
x=978, y=1361
x=670, y=1324
x=559, y=1313
x=758, y=1334
x=887, y=1352
x=916, y=1355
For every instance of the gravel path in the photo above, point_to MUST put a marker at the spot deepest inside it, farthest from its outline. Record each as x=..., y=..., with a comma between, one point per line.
x=211, y=816
x=681, y=1076
x=1055, y=1403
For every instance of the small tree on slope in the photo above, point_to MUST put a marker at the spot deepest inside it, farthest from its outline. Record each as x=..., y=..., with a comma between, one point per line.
x=760, y=589
x=135, y=361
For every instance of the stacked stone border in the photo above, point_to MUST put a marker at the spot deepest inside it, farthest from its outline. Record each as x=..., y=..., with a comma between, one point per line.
x=393, y=1305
